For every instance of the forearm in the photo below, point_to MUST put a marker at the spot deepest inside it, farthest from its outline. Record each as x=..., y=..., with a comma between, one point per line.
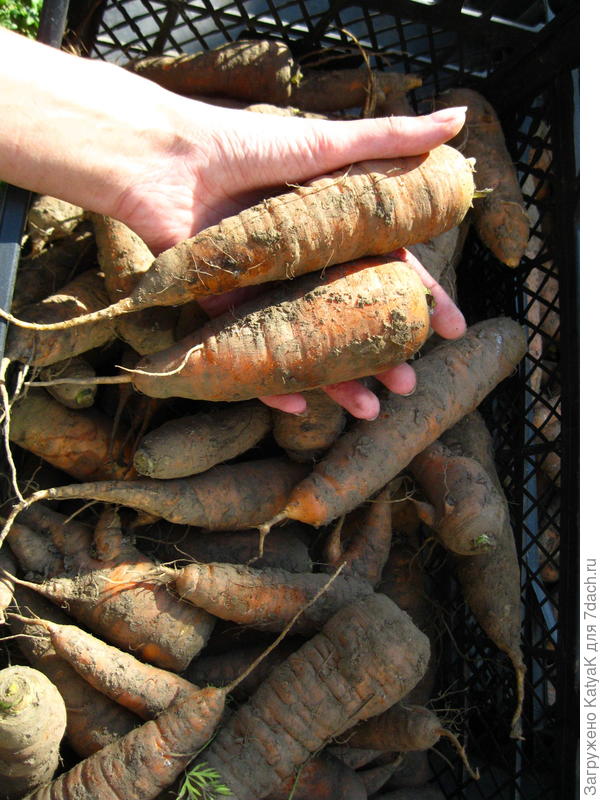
x=78, y=129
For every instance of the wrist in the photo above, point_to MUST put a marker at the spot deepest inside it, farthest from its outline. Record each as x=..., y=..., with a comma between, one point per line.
x=79, y=129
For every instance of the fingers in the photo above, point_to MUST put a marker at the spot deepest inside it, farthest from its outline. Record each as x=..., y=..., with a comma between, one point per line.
x=291, y=403
x=400, y=379
x=355, y=398
x=446, y=319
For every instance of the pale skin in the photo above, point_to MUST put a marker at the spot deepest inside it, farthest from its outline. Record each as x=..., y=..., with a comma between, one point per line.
x=110, y=141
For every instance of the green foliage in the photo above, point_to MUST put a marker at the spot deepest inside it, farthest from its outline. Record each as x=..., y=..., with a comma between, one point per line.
x=21, y=15
x=202, y=783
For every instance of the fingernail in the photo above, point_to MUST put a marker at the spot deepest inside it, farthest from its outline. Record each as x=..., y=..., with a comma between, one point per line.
x=372, y=419
x=409, y=394
x=449, y=114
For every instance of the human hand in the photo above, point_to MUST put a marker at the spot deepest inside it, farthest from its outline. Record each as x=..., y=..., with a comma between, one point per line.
x=112, y=142
x=254, y=156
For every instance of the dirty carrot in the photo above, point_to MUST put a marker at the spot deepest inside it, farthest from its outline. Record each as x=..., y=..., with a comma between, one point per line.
x=149, y=758
x=370, y=208
x=451, y=381
x=33, y=718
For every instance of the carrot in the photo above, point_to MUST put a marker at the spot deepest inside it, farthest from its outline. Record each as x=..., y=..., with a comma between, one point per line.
x=222, y=668
x=403, y=728
x=264, y=599
x=281, y=111
x=32, y=723
x=451, y=381
x=33, y=551
x=367, y=536
x=547, y=421
x=490, y=582
x=405, y=581
x=118, y=600
x=226, y=497
x=374, y=777
x=358, y=319
x=124, y=258
x=84, y=294
x=149, y=758
x=306, y=437
x=77, y=442
x=366, y=657
x=71, y=395
x=7, y=564
x=192, y=444
x=282, y=548
x=42, y=275
x=370, y=208
x=49, y=219
x=334, y=90
x=93, y=721
x=465, y=507
x=70, y=537
x=499, y=218
x=323, y=777
x=245, y=70
x=142, y=688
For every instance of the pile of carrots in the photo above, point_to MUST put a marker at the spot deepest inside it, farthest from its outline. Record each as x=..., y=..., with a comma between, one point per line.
x=242, y=606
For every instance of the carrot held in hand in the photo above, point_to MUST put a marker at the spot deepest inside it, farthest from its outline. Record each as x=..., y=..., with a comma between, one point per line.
x=370, y=208
x=356, y=319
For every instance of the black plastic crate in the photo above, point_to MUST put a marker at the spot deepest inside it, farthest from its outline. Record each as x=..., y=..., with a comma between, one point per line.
x=522, y=57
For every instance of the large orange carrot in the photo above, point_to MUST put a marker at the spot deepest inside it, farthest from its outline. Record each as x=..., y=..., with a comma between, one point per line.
x=451, y=381
x=81, y=443
x=356, y=319
x=194, y=443
x=370, y=208
x=226, y=497
x=32, y=723
x=499, y=218
x=93, y=720
x=366, y=657
x=246, y=70
x=265, y=599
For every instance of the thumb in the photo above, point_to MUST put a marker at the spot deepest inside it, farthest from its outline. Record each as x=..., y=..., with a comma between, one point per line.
x=296, y=149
